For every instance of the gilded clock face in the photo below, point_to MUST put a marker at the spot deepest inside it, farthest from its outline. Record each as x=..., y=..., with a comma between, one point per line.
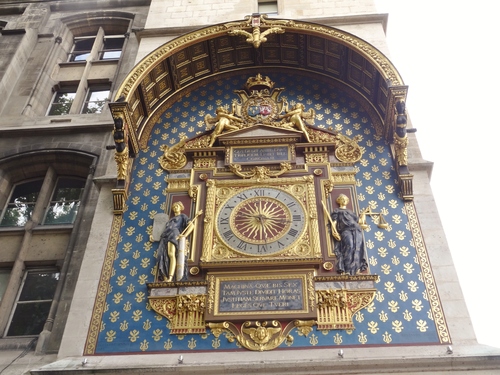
x=261, y=221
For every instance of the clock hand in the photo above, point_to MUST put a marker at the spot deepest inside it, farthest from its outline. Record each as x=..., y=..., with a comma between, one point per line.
x=279, y=220
x=265, y=243
x=246, y=215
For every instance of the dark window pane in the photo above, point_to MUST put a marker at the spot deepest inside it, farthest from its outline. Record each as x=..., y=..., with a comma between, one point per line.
x=81, y=49
x=62, y=103
x=62, y=213
x=96, y=99
x=27, y=192
x=39, y=286
x=34, y=303
x=17, y=215
x=68, y=189
x=21, y=204
x=65, y=201
x=111, y=55
x=113, y=43
x=29, y=318
x=268, y=7
x=112, y=48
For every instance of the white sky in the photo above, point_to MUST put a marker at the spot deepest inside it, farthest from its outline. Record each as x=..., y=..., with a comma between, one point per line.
x=446, y=53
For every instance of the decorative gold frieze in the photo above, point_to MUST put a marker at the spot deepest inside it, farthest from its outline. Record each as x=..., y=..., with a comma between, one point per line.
x=186, y=313
x=316, y=155
x=204, y=163
x=316, y=158
x=260, y=173
x=178, y=184
x=261, y=335
x=202, y=159
x=336, y=308
x=199, y=142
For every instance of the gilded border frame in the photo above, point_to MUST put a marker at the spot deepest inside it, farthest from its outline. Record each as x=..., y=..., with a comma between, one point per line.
x=103, y=287
x=429, y=281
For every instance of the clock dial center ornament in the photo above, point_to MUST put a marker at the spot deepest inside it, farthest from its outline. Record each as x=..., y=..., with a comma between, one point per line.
x=261, y=221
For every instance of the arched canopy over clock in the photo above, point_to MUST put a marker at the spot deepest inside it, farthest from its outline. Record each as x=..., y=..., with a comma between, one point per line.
x=211, y=52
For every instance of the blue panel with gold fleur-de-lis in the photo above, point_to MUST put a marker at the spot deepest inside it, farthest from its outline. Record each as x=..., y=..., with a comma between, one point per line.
x=401, y=312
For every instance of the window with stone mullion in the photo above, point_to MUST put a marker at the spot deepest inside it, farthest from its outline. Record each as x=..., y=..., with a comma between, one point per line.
x=62, y=200
x=82, y=48
x=19, y=209
x=65, y=201
x=33, y=302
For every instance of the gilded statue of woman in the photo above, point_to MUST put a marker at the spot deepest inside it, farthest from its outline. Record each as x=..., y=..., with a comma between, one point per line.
x=176, y=230
x=349, y=246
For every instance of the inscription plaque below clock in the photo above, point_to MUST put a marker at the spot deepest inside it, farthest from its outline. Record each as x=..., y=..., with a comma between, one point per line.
x=257, y=295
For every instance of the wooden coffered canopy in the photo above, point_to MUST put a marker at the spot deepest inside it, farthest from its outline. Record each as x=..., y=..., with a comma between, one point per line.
x=257, y=43
x=211, y=51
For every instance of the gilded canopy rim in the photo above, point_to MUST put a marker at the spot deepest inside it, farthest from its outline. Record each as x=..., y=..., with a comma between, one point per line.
x=365, y=49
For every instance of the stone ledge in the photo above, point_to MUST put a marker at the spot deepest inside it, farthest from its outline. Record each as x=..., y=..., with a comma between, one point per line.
x=480, y=360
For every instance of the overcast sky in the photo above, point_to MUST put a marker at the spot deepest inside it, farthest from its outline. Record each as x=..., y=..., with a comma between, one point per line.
x=446, y=53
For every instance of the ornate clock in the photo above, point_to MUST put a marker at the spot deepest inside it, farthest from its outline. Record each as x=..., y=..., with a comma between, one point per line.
x=255, y=221
x=261, y=221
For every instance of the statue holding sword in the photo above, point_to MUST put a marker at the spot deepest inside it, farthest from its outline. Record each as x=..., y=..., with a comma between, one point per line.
x=171, y=254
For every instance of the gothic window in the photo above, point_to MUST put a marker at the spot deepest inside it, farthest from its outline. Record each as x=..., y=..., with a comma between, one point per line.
x=88, y=55
x=112, y=47
x=33, y=302
x=62, y=208
x=41, y=200
x=21, y=203
x=65, y=201
x=81, y=48
x=95, y=100
x=107, y=47
x=62, y=101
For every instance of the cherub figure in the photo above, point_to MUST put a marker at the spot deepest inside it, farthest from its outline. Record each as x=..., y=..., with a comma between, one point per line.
x=295, y=118
x=223, y=121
